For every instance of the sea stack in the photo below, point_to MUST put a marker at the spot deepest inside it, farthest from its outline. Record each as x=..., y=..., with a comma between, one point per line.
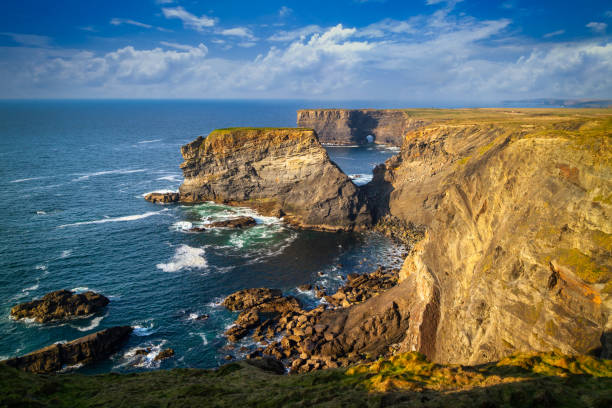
x=277, y=171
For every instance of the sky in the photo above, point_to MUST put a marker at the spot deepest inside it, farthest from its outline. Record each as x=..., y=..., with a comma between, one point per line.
x=426, y=52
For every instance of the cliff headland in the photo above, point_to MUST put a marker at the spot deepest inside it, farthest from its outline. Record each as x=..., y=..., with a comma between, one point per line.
x=507, y=215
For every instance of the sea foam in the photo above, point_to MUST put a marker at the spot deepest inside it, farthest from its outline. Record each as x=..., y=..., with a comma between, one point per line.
x=107, y=172
x=185, y=257
x=116, y=219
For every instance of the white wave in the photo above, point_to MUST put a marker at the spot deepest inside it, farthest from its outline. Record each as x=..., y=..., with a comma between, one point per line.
x=185, y=257
x=66, y=253
x=33, y=287
x=80, y=289
x=182, y=226
x=149, y=141
x=41, y=267
x=26, y=179
x=361, y=179
x=202, y=336
x=216, y=302
x=143, y=360
x=159, y=192
x=107, y=172
x=173, y=178
x=141, y=331
x=95, y=322
x=41, y=213
x=71, y=367
x=116, y=219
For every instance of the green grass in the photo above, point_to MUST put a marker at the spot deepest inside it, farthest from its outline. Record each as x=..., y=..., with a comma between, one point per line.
x=545, y=379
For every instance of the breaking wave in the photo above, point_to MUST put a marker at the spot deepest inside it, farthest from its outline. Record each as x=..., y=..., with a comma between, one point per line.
x=185, y=257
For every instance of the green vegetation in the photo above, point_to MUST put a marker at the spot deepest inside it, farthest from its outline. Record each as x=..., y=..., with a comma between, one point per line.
x=257, y=129
x=588, y=270
x=545, y=379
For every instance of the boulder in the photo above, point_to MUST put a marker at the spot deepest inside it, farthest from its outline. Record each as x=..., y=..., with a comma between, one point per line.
x=58, y=305
x=85, y=350
x=164, y=354
x=162, y=198
x=240, y=222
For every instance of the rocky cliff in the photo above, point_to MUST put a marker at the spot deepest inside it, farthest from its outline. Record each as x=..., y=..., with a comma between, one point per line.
x=518, y=250
x=353, y=126
x=276, y=171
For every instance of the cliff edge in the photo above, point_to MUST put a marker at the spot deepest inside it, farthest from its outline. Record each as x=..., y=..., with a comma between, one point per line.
x=276, y=171
x=518, y=250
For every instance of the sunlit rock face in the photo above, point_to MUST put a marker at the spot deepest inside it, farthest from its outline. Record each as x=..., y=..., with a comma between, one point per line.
x=282, y=172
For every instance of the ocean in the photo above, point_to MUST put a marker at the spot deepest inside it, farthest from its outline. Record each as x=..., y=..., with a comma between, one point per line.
x=73, y=216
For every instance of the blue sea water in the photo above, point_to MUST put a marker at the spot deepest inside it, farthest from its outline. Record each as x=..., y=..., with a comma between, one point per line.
x=73, y=176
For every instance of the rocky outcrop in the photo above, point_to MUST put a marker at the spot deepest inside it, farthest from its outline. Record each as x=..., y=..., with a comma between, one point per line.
x=239, y=222
x=85, y=350
x=58, y=305
x=162, y=198
x=353, y=126
x=276, y=171
x=518, y=250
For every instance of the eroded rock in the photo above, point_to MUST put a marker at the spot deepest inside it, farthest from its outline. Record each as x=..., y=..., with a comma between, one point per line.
x=61, y=304
x=162, y=198
x=280, y=172
x=85, y=350
x=240, y=222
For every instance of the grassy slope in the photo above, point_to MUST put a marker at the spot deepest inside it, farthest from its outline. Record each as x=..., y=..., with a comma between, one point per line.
x=405, y=380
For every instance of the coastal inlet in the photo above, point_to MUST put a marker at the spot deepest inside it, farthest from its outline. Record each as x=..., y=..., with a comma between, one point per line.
x=75, y=218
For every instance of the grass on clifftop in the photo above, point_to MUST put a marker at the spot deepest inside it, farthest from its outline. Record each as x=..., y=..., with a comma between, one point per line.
x=522, y=380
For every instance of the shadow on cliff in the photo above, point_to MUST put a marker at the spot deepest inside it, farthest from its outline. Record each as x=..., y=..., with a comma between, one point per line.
x=361, y=125
x=378, y=193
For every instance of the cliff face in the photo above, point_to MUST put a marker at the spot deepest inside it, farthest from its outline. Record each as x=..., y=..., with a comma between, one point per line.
x=518, y=250
x=351, y=126
x=276, y=171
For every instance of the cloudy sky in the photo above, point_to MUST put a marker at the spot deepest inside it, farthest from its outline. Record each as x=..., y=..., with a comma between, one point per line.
x=420, y=51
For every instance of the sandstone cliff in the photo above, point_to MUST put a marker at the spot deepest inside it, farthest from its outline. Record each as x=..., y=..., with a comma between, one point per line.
x=518, y=250
x=352, y=126
x=276, y=171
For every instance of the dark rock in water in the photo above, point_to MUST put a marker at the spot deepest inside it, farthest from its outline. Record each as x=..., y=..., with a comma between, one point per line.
x=240, y=222
x=247, y=298
x=202, y=317
x=228, y=357
x=91, y=348
x=197, y=229
x=143, y=352
x=61, y=304
x=275, y=171
x=162, y=198
x=164, y=354
x=267, y=364
x=305, y=287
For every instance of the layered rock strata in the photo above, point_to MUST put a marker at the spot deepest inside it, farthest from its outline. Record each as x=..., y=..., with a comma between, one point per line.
x=162, y=198
x=58, y=305
x=85, y=350
x=518, y=250
x=276, y=171
x=353, y=126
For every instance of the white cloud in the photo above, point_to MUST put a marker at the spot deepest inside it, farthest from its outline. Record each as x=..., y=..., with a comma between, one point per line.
x=119, y=21
x=164, y=1
x=554, y=33
x=189, y=20
x=597, y=27
x=436, y=59
x=284, y=11
x=238, y=32
x=286, y=36
x=32, y=40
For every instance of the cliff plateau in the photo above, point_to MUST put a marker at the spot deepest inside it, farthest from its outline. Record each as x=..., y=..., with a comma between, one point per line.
x=353, y=126
x=276, y=171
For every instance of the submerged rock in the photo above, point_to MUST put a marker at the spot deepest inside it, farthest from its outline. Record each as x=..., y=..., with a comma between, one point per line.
x=85, y=350
x=162, y=198
x=58, y=305
x=280, y=172
x=240, y=222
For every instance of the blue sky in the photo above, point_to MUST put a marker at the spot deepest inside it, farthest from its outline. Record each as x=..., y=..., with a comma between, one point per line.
x=419, y=51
